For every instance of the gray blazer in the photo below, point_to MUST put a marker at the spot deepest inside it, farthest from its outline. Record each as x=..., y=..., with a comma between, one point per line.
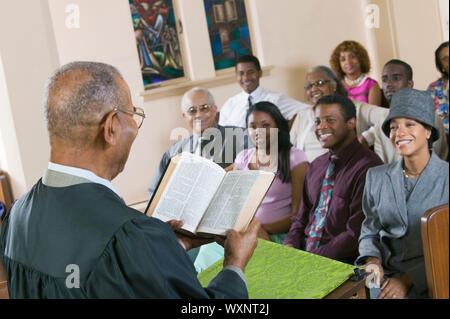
x=391, y=229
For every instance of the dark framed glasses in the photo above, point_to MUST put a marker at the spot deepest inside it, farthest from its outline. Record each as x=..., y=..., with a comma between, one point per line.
x=319, y=83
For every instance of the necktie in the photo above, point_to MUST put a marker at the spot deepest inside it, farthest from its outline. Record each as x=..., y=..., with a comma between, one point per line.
x=320, y=214
x=250, y=101
x=202, y=142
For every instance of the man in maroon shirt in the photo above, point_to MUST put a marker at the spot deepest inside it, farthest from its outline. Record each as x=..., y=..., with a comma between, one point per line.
x=335, y=120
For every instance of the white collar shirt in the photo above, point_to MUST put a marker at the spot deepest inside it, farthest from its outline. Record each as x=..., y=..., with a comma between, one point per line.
x=234, y=110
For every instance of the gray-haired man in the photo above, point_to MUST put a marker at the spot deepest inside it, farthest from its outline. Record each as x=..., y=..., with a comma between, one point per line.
x=219, y=143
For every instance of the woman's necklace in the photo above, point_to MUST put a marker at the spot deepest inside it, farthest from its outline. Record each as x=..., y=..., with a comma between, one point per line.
x=355, y=82
x=266, y=162
x=411, y=174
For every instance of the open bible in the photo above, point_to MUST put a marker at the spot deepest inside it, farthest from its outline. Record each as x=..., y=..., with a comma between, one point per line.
x=209, y=199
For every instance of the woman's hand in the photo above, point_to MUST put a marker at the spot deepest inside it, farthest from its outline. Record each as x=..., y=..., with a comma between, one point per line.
x=395, y=288
x=375, y=269
x=229, y=168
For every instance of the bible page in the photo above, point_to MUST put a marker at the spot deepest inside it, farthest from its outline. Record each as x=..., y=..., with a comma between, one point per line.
x=189, y=191
x=228, y=202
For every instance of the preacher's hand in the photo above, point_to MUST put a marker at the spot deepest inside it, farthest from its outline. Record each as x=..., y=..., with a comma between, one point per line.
x=239, y=247
x=185, y=241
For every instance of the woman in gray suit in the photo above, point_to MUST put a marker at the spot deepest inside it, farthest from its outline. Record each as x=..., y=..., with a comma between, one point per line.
x=397, y=195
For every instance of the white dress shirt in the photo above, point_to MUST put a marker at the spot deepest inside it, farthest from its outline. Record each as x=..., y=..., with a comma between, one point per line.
x=234, y=110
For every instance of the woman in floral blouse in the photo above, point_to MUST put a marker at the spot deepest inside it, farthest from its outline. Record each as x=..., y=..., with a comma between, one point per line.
x=439, y=89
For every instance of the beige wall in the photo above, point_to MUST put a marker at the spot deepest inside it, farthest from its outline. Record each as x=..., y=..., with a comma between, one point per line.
x=418, y=34
x=27, y=54
x=291, y=35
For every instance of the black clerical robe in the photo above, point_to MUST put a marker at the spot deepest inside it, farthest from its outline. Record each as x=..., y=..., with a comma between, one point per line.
x=54, y=236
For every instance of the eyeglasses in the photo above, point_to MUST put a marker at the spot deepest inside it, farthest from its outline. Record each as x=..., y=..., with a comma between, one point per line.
x=138, y=114
x=204, y=108
x=319, y=83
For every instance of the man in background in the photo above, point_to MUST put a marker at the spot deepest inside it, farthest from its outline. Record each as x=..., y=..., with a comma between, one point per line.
x=248, y=73
x=398, y=75
x=329, y=220
x=219, y=143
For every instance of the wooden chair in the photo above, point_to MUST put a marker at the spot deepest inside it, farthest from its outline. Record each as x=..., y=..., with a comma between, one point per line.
x=2, y=270
x=6, y=198
x=3, y=284
x=4, y=290
x=434, y=226
x=5, y=189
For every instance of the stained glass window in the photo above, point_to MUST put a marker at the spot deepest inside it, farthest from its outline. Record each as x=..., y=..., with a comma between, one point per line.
x=228, y=31
x=157, y=40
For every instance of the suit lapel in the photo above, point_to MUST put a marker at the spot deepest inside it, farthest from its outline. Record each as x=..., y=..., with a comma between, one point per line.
x=396, y=177
x=423, y=182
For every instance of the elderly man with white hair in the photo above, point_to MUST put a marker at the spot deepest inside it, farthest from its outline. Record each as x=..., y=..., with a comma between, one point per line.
x=219, y=143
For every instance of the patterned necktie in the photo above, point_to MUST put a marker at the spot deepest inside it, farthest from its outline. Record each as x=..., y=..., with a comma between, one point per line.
x=320, y=214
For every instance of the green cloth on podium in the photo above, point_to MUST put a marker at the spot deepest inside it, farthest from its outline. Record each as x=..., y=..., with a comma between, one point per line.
x=210, y=253
x=280, y=272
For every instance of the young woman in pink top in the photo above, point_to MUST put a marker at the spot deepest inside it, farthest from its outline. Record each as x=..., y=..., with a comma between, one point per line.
x=279, y=156
x=350, y=61
x=275, y=153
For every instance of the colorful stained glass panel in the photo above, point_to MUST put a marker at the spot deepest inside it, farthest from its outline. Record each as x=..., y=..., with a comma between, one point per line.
x=228, y=31
x=157, y=40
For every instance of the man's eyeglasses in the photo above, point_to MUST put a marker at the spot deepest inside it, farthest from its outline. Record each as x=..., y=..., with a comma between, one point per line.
x=138, y=114
x=319, y=83
x=204, y=108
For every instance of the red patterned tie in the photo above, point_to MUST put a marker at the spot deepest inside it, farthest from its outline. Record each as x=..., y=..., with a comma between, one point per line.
x=320, y=214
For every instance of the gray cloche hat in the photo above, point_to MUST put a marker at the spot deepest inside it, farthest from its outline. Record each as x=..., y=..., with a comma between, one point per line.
x=415, y=105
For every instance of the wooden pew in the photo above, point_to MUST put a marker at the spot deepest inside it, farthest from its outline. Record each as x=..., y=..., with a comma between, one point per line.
x=5, y=190
x=3, y=284
x=7, y=199
x=434, y=227
x=4, y=290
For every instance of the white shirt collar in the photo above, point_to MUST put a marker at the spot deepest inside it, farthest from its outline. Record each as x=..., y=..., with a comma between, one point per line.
x=257, y=92
x=83, y=173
